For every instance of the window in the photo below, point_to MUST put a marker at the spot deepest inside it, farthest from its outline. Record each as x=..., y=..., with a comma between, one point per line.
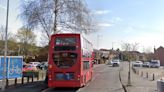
x=65, y=59
x=65, y=48
x=86, y=65
x=65, y=41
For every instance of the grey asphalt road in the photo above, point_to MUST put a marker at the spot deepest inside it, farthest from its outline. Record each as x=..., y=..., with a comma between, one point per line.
x=105, y=79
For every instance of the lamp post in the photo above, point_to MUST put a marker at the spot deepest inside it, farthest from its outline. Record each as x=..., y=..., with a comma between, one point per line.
x=5, y=54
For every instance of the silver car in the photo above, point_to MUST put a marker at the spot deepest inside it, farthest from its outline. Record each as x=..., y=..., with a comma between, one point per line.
x=137, y=63
x=115, y=62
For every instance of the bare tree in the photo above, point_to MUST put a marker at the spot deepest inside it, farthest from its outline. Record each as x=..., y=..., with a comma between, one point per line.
x=130, y=47
x=134, y=46
x=129, y=51
x=56, y=15
x=11, y=40
x=2, y=33
x=126, y=46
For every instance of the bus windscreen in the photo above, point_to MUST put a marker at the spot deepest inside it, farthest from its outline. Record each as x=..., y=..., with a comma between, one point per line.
x=65, y=59
x=65, y=41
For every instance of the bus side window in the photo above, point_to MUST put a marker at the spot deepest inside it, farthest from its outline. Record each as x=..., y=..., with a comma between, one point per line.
x=86, y=65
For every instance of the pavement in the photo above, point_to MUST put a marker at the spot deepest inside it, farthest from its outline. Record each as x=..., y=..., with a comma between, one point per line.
x=138, y=83
x=158, y=72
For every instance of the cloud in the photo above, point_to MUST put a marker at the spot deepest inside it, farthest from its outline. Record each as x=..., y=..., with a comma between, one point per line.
x=104, y=24
x=101, y=12
x=2, y=7
x=116, y=19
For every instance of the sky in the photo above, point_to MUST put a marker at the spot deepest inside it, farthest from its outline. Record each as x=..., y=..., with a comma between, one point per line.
x=119, y=21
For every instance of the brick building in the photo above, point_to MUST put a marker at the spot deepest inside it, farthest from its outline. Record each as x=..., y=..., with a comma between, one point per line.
x=159, y=54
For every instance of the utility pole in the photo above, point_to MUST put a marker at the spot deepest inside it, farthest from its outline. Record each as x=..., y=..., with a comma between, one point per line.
x=98, y=37
x=5, y=54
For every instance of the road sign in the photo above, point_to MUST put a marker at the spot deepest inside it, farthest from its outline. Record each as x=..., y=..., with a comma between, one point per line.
x=14, y=65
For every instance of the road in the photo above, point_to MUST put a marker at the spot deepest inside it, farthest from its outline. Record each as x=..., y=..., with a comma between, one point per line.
x=105, y=79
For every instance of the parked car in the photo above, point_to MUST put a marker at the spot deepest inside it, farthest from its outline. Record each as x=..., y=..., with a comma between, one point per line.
x=155, y=63
x=115, y=62
x=137, y=63
x=43, y=65
x=146, y=64
x=34, y=63
x=29, y=67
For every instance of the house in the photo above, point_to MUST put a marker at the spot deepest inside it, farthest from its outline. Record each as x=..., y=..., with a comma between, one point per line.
x=159, y=54
x=114, y=54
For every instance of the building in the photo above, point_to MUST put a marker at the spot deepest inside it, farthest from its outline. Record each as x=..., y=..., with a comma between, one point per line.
x=159, y=54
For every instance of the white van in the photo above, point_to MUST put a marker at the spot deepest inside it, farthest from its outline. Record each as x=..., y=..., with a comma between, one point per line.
x=155, y=63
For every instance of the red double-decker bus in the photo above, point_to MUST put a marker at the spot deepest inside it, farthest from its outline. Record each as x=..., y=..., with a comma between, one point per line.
x=70, y=61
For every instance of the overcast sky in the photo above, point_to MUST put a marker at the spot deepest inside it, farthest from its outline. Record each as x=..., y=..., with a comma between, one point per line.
x=119, y=21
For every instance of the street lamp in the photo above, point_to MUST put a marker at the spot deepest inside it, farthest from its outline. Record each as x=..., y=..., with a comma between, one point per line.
x=5, y=54
x=98, y=38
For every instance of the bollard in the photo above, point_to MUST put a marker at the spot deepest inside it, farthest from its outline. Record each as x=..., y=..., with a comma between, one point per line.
x=15, y=81
x=37, y=77
x=147, y=76
x=7, y=83
x=142, y=74
x=32, y=78
x=28, y=79
x=22, y=80
x=153, y=77
x=42, y=75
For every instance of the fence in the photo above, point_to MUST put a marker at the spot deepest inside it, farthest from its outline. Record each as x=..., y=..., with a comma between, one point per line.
x=26, y=78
